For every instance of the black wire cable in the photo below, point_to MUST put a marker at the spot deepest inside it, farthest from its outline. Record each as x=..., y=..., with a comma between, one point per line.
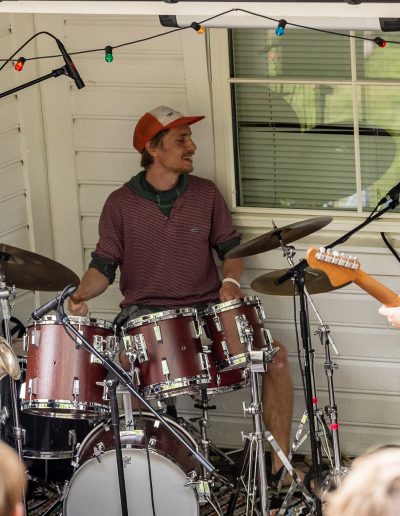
x=325, y=31
x=390, y=247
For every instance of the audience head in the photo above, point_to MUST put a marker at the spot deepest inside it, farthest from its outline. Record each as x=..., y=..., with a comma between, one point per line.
x=12, y=482
x=371, y=488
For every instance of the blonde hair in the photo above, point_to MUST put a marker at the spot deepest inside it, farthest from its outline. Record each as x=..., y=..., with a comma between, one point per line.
x=372, y=487
x=12, y=480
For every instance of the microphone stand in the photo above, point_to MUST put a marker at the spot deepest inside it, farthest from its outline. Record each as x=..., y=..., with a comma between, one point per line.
x=125, y=379
x=297, y=273
x=55, y=73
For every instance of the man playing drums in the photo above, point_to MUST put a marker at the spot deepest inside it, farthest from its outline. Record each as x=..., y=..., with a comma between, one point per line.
x=160, y=229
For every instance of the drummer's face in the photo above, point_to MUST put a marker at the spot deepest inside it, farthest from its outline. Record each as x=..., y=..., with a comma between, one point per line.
x=175, y=151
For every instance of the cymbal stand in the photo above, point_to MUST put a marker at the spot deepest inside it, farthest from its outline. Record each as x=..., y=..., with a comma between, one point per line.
x=5, y=307
x=338, y=471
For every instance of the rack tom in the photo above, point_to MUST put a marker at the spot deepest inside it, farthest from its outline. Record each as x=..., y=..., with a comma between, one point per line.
x=224, y=326
x=62, y=378
x=170, y=358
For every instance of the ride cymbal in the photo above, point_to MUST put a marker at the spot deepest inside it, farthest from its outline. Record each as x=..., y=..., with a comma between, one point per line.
x=272, y=240
x=316, y=282
x=30, y=271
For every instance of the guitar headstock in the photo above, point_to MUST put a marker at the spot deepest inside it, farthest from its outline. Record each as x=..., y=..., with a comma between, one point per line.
x=339, y=267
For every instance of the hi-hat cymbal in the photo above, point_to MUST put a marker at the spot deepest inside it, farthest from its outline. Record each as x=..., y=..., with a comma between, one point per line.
x=316, y=282
x=272, y=240
x=30, y=271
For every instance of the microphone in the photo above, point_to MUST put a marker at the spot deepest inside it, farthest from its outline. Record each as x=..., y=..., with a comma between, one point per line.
x=392, y=195
x=53, y=303
x=70, y=67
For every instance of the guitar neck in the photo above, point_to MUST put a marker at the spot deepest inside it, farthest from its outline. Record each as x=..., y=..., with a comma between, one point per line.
x=376, y=289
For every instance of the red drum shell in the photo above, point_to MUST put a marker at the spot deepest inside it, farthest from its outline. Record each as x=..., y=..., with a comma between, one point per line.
x=180, y=348
x=225, y=381
x=56, y=364
x=228, y=334
x=158, y=436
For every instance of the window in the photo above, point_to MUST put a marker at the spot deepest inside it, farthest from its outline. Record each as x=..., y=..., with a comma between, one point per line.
x=316, y=119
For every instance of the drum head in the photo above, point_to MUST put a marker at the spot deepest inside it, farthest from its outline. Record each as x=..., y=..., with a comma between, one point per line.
x=94, y=487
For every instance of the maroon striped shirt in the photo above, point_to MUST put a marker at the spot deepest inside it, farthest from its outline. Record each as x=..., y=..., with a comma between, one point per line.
x=163, y=260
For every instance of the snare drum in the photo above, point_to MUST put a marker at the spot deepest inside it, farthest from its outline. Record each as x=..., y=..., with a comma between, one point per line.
x=170, y=355
x=62, y=378
x=94, y=486
x=223, y=326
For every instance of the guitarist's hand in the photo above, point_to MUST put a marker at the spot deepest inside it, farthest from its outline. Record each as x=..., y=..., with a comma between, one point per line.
x=392, y=313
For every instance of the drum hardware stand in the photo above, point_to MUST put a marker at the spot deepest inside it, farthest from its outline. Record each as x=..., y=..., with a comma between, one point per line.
x=5, y=307
x=311, y=399
x=338, y=471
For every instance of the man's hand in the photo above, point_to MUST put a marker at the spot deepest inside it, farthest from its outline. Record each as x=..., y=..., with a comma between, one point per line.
x=76, y=306
x=229, y=291
x=392, y=314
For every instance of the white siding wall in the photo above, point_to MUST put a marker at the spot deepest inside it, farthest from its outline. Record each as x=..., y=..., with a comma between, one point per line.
x=64, y=150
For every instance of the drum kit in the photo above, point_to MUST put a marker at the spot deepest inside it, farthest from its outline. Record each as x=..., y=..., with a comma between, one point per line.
x=64, y=405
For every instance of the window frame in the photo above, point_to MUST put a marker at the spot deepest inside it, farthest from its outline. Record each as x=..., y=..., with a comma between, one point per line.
x=253, y=218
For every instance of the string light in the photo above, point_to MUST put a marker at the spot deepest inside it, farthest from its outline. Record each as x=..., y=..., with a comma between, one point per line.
x=380, y=42
x=20, y=64
x=108, y=54
x=280, y=30
x=198, y=28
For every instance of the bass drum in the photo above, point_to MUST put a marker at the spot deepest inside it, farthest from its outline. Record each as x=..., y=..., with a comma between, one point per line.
x=94, y=487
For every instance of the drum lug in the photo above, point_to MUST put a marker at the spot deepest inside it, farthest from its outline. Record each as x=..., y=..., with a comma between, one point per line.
x=197, y=328
x=205, y=364
x=157, y=333
x=267, y=336
x=35, y=337
x=260, y=311
x=242, y=324
x=98, y=451
x=141, y=348
x=98, y=344
x=217, y=323
x=25, y=342
x=33, y=386
x=165, y=368
x=152, y=442
x=72, y=438
x=75, y=388
x=225, y=348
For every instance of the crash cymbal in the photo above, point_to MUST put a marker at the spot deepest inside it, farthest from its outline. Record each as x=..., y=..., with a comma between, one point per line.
x=272, y=239
x=316, y=282
x=30, y=271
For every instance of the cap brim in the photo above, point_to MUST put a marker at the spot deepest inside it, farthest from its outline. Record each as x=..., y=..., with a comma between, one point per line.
x=185, y=120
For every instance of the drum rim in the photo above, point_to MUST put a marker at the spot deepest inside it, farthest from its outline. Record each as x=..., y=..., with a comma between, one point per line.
x=74, y=319
x=233, y=303
x=159, y=316
x=139, y=414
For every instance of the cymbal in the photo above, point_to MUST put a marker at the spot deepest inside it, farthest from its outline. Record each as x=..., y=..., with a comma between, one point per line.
x=30, y=271
x=316, y=282
x=272, y=240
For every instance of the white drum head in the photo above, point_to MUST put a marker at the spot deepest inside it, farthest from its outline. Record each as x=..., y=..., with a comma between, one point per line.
x=94, y=488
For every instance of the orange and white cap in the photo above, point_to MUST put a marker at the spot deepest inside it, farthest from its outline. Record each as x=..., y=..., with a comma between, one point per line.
x=157, y=120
